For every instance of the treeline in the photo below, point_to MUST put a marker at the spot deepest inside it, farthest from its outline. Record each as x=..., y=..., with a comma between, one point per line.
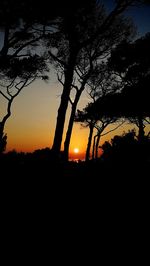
x=122, y=156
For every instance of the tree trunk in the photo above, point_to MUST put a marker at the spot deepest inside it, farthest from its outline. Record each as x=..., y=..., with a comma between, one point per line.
x=141, y=129
x=97, y=144
x=73, y=111
x=87, y=156
x=3, y=138
x=63, y=106
x=93, y=149
x=1, y=130
x=70, y=125
x=2, y=144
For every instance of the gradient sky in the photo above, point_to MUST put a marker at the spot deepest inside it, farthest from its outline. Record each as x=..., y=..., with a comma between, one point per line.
x=32, y=123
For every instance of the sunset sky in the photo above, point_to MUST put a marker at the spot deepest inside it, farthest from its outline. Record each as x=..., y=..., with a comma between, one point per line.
x=32, y=123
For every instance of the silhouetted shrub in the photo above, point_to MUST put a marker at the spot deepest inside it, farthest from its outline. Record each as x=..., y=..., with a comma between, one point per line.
x=126, y=148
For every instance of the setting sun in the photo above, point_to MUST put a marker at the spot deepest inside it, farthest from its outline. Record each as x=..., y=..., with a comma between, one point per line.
x=76, y=150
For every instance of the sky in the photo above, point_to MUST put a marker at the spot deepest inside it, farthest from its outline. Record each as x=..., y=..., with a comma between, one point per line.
x=140, y=16
x=32, y=123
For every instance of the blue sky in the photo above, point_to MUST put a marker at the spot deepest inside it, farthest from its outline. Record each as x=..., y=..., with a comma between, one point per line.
x=140, y=15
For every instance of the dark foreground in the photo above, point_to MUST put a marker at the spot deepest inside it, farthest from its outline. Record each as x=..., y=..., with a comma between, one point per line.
x=22, y=166
x=42, y=188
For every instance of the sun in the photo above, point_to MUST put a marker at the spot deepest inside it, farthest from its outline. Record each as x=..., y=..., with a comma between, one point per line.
x=76, y=150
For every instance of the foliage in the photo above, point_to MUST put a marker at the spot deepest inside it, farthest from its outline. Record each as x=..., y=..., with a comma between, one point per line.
x=126, y=148
x=132, y=62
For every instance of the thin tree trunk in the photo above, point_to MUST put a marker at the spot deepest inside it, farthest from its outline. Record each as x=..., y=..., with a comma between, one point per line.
x=73, y=111
x=87, y=156
x=70, y=125
x=3, y=122
x=8, y=114
x=141, y=129
x=1, y=133
x=93, y=149
x=63, y=106
x=3, y=138
x=97, y=144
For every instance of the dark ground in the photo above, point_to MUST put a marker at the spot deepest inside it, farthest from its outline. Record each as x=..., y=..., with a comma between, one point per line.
x=21, y=166
x=42, y=192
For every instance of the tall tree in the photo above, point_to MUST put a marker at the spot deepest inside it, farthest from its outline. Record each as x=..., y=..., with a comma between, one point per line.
x=23, y=24
x=89, y=121
x=95, y=120
x=132, y=63
x=102, y=82
x=91, y=61
x=79, y=29
x=74, y=31
x=20, y=75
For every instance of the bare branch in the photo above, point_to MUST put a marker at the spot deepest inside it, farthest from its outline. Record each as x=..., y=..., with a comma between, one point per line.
x=10, y=86
x=24, y=84
x=10, y=101
x=4, y=95
x=60, y=78
x=75, y=87
x=112, y=129
x=13, y=40
x=57, y=59
x=41, y=30
x=18, y=84
x=27, y=84
x=23, y=55
x=77, y=70
x=119, y=9
x=25, y=45
x=70, y=101
x=147, y=120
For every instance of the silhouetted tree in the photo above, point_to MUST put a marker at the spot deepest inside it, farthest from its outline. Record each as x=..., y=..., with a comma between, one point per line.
x=104, y=123
x=126, y=149
x=94, y=120
x=19, y=75
x=74, y=31
x=86, y=121
x=132, y=63
x=90, y=63
x=23, y=27
x=79, y=28
x=102, y=82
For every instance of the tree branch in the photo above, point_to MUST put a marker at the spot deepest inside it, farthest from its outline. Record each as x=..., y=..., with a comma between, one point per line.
x=10, y=86
x=4, y=96
x=27, y=84
x=70, y=101
x=60, y=79
x=112, y=129
x=147, y=120
x=57, y=59
x=120, y=7
x=23, y=55
x=75, y=87
x=18, y=84
x=77, y=69
x=25, y=45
